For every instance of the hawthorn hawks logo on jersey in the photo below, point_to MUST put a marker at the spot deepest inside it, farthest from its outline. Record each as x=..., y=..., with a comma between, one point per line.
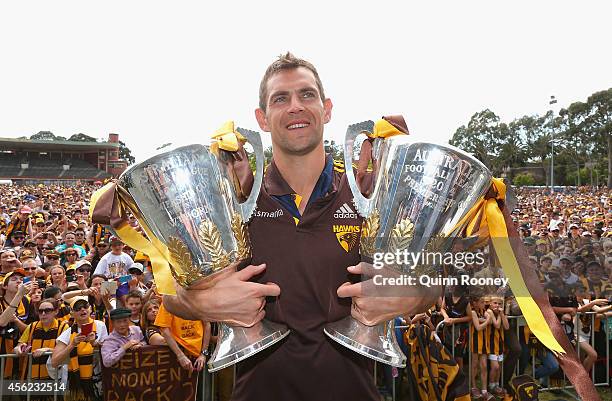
x=347, y=235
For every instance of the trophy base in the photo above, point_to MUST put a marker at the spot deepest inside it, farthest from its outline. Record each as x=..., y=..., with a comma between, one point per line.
x=375, y=342
x=236, y=343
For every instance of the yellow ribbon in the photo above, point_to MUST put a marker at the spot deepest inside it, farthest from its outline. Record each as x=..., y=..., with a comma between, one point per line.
x=226, y=138
x=486, y=220
x=152, y=247
x=384, y=129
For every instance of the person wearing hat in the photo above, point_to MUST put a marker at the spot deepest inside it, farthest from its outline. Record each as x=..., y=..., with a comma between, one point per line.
x=137, y=282
x=30, y=246
x=84, y=367
x=565, y=269
x=70, y=257
x=15, y=309
x=123, y=338
x=19, y=222
x=83, y=273
x=574, y=236
x=115, y=263
x=530, y=243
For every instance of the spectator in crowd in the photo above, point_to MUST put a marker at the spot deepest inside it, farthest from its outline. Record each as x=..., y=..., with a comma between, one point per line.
x=63, y=309
x=12, y=310
x=79, y=349
x=188, y=339
x=8, y=262
x=71, y=256
x=115, y=263
x=57, y=278
x=19, y=225
x=152, y=333
x=70, y=243
x=83, y=272
x=39, y=338
x=495, y=342
x=124, y=337
x=480, y=321
x=97, y=252
x=133, y=302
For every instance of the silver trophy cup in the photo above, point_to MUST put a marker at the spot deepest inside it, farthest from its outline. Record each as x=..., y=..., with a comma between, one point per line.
x=421, y=191
x=187, y=199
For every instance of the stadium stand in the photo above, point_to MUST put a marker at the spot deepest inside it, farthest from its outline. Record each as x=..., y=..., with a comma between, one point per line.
x=38, y=161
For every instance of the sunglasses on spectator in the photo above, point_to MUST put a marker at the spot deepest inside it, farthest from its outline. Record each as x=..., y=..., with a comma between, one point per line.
x=46, y=310
x=136, y=272
x=80, y=307
x=52, y=257
x=83, y=270
x=30, y=269
x=18, y=237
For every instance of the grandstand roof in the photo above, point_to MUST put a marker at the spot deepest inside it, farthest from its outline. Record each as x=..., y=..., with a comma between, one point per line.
x=45, y=145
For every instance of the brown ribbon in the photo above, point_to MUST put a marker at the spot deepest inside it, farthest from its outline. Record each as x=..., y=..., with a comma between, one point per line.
x=239, y=169
x=365, y=178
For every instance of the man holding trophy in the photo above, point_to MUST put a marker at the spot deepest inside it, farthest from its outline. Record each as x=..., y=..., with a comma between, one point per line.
x=311, y=232
x=298, y=258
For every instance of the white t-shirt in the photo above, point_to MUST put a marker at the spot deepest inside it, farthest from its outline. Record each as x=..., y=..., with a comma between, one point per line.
x=101, y=333
x=113, y=266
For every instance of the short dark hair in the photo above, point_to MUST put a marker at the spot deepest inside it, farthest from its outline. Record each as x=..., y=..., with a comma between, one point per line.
x=286, y=61
x=133, y=294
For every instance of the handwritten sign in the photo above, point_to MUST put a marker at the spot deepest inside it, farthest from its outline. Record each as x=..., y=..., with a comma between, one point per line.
x=150, y=373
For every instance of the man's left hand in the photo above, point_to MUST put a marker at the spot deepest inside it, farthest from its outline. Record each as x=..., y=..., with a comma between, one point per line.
x=372, y=310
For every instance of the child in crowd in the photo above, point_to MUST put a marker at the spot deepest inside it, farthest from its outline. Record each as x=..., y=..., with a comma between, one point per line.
x=133, y=301
x=495, y=341
x=480, y=321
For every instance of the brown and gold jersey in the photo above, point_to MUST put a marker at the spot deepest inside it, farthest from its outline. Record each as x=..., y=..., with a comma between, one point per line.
x=308, y=260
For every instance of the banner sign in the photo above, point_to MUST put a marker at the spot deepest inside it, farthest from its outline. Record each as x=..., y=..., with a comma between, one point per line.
x=150, y=373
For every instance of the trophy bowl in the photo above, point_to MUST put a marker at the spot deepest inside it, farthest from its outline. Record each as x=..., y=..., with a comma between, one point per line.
x=190, y=205
x=420, y=193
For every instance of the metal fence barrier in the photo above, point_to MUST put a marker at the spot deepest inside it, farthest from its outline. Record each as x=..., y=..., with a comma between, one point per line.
x=208, y=384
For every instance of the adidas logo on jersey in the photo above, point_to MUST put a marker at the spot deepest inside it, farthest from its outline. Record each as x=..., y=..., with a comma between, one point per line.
x=345, y=212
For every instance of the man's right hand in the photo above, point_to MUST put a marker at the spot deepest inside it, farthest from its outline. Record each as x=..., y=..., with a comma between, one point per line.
x=228, y=297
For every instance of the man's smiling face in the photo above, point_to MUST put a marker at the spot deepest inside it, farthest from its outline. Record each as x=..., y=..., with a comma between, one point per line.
x=295, y=113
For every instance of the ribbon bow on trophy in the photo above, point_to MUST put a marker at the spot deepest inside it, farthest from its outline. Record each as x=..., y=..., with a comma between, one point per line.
x=109, y=206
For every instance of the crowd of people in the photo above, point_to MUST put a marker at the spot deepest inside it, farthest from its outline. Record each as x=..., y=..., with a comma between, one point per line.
x=67, y=283
x=568, y=237
x=69, y=288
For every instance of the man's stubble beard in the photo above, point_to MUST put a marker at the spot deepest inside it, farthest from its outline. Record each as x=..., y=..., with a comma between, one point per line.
x=289, y=148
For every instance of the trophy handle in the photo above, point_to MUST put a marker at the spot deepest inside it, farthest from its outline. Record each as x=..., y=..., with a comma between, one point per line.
x=362, y=204
x=247, y=207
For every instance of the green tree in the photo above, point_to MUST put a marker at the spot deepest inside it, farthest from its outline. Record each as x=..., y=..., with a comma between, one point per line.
x=522, y=179
x=598, y=126
x=482, y=137
x=43, y=136
x=125, y=153
x=82, y=138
